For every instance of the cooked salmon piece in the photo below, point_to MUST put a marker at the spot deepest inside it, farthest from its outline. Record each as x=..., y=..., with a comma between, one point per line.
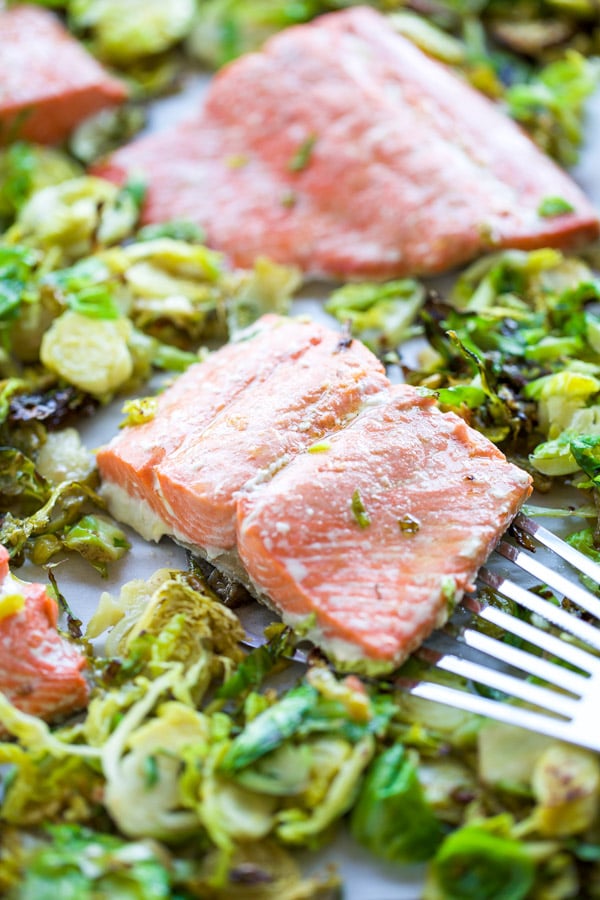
x=40, y=672
x=304, y=399
x=343, y=149
x=48, y=81
x=372, y=542
x=128, y=464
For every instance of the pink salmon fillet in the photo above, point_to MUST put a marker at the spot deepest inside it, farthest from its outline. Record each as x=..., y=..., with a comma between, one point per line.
x=268, y=475
x=48, y=82
x=40, y=672
x=343, y=149
x=431, y=497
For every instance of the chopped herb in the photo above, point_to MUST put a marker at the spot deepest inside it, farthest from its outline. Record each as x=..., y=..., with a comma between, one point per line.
x=408, y=524
x=236, y=161
x=151, y=774
x=322, y=447
x=359, y=511
x=554, y=206
x=289, y=200
x=302, y=156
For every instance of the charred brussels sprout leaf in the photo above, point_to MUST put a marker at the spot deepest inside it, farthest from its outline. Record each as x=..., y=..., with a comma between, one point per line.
x=270, y=729
x=99, y=135
x=225, y=29
x=53, y=408
x=62, y=508
x=474, y=864
x=97, y=540
x=550, y=105
x=459, y=394
x=76, y=217
x=16, y=267
x=80, y=863
x=257, y=665
x=127, y=33
x=381, y=315
x=22, y=488
x=586, y=450
x=24, y=169
x=391, y=816
x=172, y=359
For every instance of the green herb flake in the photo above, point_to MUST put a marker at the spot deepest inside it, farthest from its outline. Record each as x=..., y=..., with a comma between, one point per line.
x=151, y=773
x=302, y=156
x=236, y=161
x=289, y=200
x=554, y=206
x=321, y=447
x=408, y=524
x=359, y=511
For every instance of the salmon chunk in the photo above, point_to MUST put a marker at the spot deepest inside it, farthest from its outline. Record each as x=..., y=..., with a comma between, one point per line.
x=48, y=81
x=343, y=149
x=39, y=671
x=373, y=541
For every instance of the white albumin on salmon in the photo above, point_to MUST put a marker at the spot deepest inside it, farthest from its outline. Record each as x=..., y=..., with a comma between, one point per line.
x=346, y=503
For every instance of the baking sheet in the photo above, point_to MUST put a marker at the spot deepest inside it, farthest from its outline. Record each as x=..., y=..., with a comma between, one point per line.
x=365, y=878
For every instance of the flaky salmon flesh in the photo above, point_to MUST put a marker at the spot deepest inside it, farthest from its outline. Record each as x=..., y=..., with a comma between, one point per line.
x=48, y=82
x=40, y=672
x=353, y=507
x=343, y=149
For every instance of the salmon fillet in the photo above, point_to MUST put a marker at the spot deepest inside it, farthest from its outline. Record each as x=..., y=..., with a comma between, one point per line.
x=328, y=492
x=48, y=81
x=40, y=672
x=343, y=149
x=378, y=537
x=240, y=415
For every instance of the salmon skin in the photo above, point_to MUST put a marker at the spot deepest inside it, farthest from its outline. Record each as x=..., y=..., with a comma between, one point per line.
x=48, y=81
x=378, y=537
x=343, y=149
x=40, y=672
x=353, y=507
